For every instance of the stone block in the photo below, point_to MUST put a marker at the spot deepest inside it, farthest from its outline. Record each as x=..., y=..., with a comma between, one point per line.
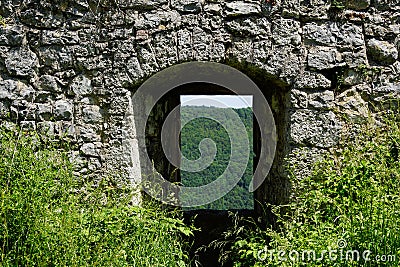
x=91, y=149
x=42, y=19
x=141, y=4
x=259, y=27
x=56, y=58
x=44, y=112
x=63, y=110
x=238, y=8
x=94, y=164
x=213, y=8
x=345, y=35
x=286, y=31
x=322, y=57
x=285, y=63
x=49, y=83
x=312, y=80
x=306, y=9
x=4, y=109
x=319, y=34
x=352, y=104
x=314, y=128
x=298, y=99
x=89, y=133
x=8, y=89
x=11, y=35
x=60, y=37
x=92, y=114
x=133, y=68
x=81, y=86
x=188, y=6
x=22, y=62
x=355, y=58
x=382, y=52
x=321, y=99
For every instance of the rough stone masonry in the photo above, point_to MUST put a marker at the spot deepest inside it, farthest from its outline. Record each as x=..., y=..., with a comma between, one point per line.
x=68, y=68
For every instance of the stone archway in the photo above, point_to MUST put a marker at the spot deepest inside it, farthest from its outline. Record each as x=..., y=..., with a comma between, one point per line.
x=274, y=190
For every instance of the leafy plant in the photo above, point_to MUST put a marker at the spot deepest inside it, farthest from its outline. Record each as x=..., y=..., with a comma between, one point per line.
x=338, y=4
x=339, y=79
x=2, y=21
x=350, y=202
x=48, y=217
x=367, y=71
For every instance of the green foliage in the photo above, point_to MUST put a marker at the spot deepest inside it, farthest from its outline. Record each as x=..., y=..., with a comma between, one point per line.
x=49, y=218
x=350, y=202
x=338, y=4
x=339, y=79
x=200, y=128
x=2, y=21
x=368, y=72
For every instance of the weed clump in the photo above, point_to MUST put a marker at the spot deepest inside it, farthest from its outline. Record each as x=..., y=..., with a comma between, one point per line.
x=349, y=207
x=50, y=218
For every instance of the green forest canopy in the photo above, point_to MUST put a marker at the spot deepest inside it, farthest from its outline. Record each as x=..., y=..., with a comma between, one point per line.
x=198, y=129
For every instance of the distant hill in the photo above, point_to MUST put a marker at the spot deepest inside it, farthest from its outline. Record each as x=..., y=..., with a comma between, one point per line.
x=200, y=128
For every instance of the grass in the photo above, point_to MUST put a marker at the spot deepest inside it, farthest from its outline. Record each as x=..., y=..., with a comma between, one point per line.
x=350, y=202
x=2, y=21
x=48, y=217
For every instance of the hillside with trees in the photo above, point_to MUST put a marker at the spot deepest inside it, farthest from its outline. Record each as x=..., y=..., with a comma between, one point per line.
x=200, y=128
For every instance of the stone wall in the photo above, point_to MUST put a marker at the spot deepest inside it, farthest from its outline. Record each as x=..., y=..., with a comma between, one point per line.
x=68, y=68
